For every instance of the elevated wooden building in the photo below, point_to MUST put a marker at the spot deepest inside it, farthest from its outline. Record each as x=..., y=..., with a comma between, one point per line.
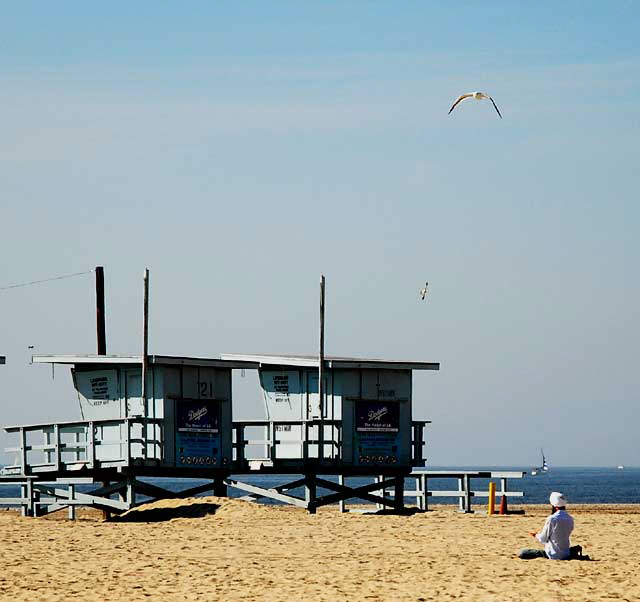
x=180, y=425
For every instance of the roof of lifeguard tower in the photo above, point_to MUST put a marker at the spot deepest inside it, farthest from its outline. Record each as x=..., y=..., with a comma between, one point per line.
x=166, y=360
x=311, y=361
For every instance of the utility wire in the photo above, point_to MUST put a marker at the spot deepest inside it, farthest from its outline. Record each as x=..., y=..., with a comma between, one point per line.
x=4, y=288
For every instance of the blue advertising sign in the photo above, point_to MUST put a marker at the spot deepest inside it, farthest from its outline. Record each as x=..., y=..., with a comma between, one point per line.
x=197, y=416
x=197, y=433
x=377, y=417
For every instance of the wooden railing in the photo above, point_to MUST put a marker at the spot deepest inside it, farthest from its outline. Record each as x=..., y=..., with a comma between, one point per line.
x=66, y=446
x=319, y=440
x=465, y=493
x=74, y=445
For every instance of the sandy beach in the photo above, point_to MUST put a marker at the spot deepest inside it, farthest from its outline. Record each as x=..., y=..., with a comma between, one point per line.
x=221, y=549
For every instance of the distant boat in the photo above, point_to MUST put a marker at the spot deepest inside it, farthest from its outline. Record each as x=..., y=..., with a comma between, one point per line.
x=538, y=469
x=621, y=467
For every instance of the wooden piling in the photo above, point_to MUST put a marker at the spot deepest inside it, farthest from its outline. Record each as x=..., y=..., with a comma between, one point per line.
x=321, y=373
x=100, y=321
x=145, y=339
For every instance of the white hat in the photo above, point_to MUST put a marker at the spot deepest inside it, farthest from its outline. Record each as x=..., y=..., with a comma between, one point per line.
x=557, y=499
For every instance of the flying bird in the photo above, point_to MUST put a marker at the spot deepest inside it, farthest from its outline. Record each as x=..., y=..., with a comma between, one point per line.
x=423, y=291
x=477, y=96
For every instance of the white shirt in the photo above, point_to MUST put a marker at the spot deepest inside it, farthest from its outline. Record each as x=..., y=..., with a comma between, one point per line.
x=555, y=535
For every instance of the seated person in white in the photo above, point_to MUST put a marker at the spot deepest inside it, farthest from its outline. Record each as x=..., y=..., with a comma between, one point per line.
x=555, y=534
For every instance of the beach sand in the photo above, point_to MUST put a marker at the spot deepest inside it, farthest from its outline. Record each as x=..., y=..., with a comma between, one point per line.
x=221, y=549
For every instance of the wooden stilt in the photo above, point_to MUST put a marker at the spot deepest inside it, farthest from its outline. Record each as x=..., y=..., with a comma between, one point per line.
x=310, y=493
x=72, y=508
x=106, y=514
x=219, y=487
x=399, y=493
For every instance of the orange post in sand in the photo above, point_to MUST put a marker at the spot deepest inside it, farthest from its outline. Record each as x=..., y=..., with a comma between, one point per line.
x=503, y=504
x=492, y=499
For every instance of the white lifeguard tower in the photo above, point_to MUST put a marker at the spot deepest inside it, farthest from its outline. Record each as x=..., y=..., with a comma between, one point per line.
x=362, y=425
x=168, y=416
x=183, y=428
x=366, y=409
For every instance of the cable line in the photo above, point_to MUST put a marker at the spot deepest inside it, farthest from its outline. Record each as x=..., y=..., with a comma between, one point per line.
x=7, y=287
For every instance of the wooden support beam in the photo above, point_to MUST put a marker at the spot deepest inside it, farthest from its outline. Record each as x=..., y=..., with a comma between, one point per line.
x=159, y=493
x=270, y=493
x=362, y=492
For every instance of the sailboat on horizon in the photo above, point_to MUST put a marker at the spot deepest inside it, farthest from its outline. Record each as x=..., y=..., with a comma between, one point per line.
x=543, y=468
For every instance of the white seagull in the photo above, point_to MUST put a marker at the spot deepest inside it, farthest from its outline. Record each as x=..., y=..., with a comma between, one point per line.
x=423, y=291
x=477, y=96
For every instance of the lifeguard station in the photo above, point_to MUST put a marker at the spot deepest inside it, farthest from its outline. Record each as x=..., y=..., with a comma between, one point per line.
x=361, y=425
x=166, y=416
x=180, y=427
x=184, y=429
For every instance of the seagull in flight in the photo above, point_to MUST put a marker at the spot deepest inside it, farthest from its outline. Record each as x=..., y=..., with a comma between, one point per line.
x=477, y=96
x=423, y=291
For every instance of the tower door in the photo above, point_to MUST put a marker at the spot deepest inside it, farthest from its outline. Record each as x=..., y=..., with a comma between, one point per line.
x=133, y=393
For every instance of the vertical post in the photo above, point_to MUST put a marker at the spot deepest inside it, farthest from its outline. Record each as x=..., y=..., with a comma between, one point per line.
x=321, y=351
x=24, y=494
x=31, y=507
x=47, y=441
x=381, y=492
x=310, y=493
x=56, y=442
x=467, y=489
x=321, y=373
x=145, y=340
x=72, y=508
x=219, y=487
x=76, y=442
x=106, y=515
x=91, y=445
x=272, y=442
x=342, y=503
x=23, y=451
x=131, y=492
x=398, y=494
x=29, y=510
x=101, y=331
x=491, y=507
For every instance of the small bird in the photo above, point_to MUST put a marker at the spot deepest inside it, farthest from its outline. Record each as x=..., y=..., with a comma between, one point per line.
x=477, y=96
x=423, y=291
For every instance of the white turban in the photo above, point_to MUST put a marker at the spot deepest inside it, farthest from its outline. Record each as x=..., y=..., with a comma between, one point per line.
x=557, y=499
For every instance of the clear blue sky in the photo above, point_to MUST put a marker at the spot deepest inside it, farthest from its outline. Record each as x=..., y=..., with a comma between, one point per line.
x=240, y=149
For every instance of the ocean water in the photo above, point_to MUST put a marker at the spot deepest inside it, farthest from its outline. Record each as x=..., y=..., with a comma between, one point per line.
x=581, y=485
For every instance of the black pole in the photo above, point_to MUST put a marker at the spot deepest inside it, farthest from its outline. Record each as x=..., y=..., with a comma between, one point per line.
x=321, y=350
x=102, y=336
x=145, y=338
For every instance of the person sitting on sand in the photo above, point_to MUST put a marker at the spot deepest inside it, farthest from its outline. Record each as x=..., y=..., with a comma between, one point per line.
x=555, y=534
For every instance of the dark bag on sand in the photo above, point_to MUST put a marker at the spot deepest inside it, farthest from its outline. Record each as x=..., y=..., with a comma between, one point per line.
x=575, y=553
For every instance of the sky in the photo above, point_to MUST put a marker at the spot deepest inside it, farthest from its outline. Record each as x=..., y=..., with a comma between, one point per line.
x=239, y=150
